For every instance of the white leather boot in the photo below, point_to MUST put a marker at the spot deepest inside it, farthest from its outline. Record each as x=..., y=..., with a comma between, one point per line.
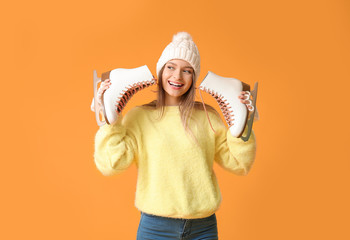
x=226, y=92
x=124, y=84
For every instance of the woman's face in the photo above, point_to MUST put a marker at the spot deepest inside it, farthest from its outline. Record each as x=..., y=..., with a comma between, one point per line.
x=177, y=78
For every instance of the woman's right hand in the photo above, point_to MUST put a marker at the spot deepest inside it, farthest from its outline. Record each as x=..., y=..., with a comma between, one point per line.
x=103, y=87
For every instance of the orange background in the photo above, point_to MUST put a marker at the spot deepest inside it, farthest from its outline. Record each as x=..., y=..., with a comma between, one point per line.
x=297, y=50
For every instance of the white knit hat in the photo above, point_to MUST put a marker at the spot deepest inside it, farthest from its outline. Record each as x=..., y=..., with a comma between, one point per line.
x=182, y=47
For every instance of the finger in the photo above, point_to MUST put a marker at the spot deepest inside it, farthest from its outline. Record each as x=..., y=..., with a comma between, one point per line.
x=247, y=95
x=250, y=108
x=101, y=90
x=248, y=102
x=105, y=86
x=242, y=96
x=105, y=83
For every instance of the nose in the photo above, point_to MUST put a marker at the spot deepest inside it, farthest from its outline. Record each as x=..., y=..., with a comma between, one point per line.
x=177, y=75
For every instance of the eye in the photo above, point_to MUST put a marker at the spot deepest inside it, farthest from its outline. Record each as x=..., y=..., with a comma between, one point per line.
x=170, y=67
x=188, y=71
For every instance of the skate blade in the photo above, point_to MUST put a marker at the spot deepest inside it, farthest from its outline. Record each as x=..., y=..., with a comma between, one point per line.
x=250, y=121
x=99, y=110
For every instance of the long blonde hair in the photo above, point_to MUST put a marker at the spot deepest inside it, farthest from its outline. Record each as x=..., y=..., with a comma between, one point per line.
x=186, y=106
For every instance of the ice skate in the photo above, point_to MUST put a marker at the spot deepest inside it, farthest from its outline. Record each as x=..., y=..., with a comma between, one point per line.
x=124, y=84
x=226, y=92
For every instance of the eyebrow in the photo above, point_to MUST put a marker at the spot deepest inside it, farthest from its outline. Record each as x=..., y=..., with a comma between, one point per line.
x=188, y=66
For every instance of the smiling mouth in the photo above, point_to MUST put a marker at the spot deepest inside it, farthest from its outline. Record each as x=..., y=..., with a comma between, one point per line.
x=175, y=84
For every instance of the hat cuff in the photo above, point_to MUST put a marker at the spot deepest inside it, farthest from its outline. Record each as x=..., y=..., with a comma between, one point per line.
x=178, y=53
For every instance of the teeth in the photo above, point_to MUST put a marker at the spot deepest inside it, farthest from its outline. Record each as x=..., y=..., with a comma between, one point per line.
x=174, y=84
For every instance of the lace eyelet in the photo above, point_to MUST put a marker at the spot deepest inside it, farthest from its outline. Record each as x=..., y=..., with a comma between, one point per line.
x=129, y=91
x=224, y=106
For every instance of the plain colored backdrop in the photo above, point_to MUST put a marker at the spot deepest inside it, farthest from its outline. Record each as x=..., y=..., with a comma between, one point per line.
x=297, y=50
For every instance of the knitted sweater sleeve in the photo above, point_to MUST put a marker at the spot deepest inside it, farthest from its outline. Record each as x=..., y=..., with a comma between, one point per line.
x=233, y=154
x=115, y=146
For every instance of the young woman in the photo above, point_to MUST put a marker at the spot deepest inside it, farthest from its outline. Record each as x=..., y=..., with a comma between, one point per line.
x=174, y=147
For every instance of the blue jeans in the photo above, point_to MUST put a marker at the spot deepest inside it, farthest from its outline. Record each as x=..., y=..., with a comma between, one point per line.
x=160, y=228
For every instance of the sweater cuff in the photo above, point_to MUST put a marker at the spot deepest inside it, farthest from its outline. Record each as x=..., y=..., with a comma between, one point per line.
x=115, y=127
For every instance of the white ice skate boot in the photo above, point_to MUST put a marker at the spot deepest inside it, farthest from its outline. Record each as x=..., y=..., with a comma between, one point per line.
x=226, y=92
x=124, y=84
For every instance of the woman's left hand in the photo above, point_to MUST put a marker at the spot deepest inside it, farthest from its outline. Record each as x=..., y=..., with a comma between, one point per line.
x=245, y=98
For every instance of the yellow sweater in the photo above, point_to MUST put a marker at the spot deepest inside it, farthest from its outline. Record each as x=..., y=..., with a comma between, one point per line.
x=175, y=174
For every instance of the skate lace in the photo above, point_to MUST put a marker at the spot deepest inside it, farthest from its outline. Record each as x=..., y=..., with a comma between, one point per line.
x=129, y=91
x=223, y=104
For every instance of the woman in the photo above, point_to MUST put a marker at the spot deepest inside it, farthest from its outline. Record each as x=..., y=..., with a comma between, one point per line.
x=173, y=146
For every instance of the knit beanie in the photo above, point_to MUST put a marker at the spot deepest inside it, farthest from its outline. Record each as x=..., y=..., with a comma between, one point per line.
x=182, y=47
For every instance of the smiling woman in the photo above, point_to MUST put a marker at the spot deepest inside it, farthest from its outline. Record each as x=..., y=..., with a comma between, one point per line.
x=177, y=191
